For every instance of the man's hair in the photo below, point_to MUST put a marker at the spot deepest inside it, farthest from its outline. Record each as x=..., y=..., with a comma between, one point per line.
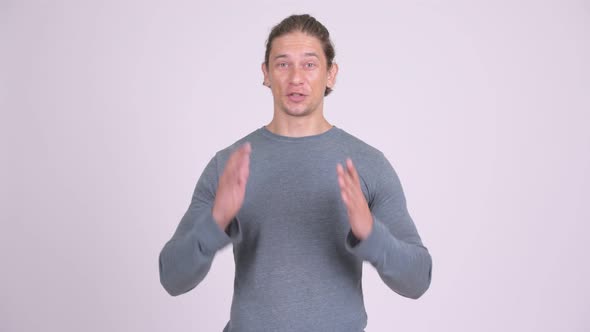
x=308, y=25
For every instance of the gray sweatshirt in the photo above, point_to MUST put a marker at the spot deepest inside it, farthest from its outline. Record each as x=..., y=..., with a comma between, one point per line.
x=298, y=267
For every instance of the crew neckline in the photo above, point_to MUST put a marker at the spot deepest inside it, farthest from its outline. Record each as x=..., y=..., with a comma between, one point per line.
x=264, y=131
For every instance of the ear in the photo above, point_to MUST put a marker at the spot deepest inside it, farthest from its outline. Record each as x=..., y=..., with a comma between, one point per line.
x=266, y=81
x=332, y=72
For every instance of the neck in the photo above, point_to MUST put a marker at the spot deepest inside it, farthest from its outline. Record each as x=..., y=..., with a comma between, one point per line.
x=298, y=126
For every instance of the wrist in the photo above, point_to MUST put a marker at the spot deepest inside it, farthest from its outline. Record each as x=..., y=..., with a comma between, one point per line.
x=364, y=230
x=220, y=219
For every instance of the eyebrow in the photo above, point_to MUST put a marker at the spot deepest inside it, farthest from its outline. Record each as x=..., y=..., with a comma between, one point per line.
x=309, y=54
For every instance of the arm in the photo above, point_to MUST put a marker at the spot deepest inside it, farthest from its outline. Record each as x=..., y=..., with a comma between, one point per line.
x=186, y=259
x=391, y=244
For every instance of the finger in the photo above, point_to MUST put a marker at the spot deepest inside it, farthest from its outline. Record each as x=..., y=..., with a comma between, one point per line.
x=351, y=169
x=234, y=160
x=245, y=148
x=248, y=147
x=348, y=179
x=354, y=177
x=345, y=198
x=243, y=176
x=237, y=158
x=244, y=157
x=244, y=151
x=340, y=172
x=243, y=167
x=343, y=180
x=246, y=173
x=347, y=194
x=339, y=169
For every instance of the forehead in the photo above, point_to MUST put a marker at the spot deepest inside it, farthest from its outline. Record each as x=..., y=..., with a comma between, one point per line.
x=296, y=43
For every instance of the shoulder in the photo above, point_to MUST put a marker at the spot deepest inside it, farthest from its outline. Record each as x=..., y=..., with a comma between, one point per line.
x=374, y=169
x=359, y=149
x=222, y=155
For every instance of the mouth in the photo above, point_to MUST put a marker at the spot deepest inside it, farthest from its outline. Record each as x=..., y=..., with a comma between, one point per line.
x=296, y=97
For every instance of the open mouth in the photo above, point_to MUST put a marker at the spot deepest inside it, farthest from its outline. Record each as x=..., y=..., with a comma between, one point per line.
x=296, y=97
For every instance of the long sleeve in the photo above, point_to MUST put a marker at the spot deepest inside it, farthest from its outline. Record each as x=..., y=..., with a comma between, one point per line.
x=393, y=247
x=186, y=259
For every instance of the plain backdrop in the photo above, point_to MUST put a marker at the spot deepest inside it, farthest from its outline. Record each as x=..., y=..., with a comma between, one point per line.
x=110, y=110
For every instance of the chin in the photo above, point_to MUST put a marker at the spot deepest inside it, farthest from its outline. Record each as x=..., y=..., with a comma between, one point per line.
x=297, y=112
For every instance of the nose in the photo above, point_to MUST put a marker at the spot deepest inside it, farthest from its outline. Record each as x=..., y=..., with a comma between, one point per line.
x=296, y=76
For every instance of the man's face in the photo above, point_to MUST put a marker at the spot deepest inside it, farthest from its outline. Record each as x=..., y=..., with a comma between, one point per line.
x=298, y=74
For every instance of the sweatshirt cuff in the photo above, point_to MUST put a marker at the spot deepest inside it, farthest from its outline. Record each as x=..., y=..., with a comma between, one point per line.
x=374, y=246
x=211, y=238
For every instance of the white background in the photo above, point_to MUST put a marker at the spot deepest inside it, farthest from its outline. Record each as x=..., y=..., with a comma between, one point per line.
x=111, y=109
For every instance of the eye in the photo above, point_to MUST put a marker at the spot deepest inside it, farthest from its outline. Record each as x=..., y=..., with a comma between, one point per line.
x=310, y=65
x=282, y=65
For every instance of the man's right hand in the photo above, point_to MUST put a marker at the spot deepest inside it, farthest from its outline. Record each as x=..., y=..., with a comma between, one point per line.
x=232, y=186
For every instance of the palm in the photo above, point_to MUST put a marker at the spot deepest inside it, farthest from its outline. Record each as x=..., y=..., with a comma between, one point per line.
x=359, y=214
x=232, y=186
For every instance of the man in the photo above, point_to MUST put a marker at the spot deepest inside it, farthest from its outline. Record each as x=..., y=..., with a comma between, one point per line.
x=304, y=204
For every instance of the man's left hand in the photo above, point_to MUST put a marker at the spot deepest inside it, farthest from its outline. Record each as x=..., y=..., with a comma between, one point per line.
x=359, y=215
